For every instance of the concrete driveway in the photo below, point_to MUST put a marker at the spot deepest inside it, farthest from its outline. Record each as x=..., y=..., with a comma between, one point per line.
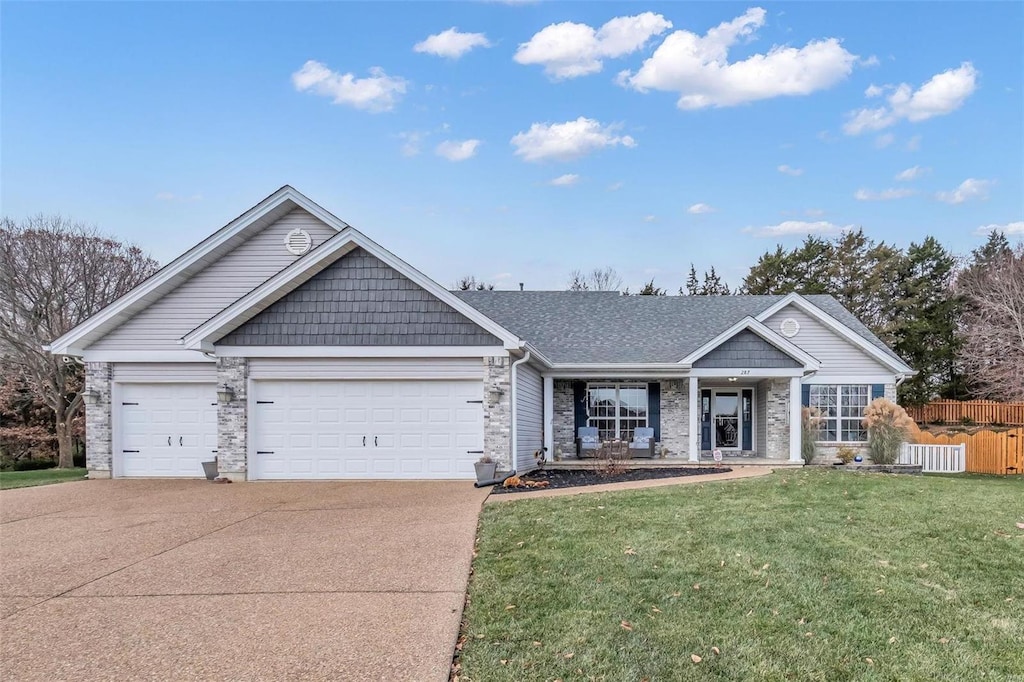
x=181, y=580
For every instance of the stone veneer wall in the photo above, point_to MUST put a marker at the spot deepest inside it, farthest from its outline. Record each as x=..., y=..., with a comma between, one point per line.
x=675, y=416
x=233, y=419
x=99, y=445
x=777, y=418
x=498, y=412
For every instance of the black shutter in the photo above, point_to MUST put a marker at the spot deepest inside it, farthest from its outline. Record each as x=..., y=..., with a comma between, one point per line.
x=805, y=395
x=877, y=391
x=747, y=416
x=654, y=408
x=579, y=402
x=705, y=420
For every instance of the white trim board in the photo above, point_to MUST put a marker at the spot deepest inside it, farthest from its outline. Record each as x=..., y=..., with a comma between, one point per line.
x=851, y=379
x=359, y=351
x=745, y=373
x=259, y=299
x=838, y=327
x=179, y=269
x=754, y=325
x=144, y=356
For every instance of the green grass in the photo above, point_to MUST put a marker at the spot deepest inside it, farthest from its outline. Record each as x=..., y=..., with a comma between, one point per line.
x=803, y=575
x=24, y=479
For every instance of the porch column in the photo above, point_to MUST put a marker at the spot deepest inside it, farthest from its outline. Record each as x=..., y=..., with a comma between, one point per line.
x=795, y=420
x=549, y=418
x=694, y=415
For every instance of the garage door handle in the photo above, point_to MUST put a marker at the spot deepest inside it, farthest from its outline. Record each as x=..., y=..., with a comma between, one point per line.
x=475, y=401
x=168, y=441
x=129, y=451
x=364, y=441
x=474, y=452
x=264, y=452
x=375, y=441
x=180, y=439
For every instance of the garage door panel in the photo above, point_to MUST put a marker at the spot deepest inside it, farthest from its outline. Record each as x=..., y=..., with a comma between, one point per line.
x=166, y=429
x=412, y=429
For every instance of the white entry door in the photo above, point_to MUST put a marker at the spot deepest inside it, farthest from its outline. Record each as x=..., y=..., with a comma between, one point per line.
x=366, y=429
x=166, y=429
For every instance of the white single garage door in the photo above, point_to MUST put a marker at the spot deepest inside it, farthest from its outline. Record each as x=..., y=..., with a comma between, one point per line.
x=166, y=429
x=346, y=429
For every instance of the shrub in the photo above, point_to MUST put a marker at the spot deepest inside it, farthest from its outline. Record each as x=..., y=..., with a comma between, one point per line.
x=888, y=426
x=845, y=454
x=810, y=418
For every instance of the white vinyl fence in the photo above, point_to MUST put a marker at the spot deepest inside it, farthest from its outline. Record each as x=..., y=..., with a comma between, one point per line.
x=935, y=459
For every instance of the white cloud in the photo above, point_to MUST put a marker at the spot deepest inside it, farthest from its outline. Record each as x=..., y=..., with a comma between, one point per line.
x=698, y=67
x=912, y=173
x=914, y=143
x=884, y=195
x=569, y=50
x=1007, y=228
x=564, y=180
x=456, y=150
x=789, y=170
x=698, y=209
x=971, y=188
x=412, y=141
x=616, y=186
x=569, y=140
x=874, y=91
x=650, y=218
x=798, y=227
x=378, y=92
x=942, y=94
x=883, y=141
x=451, y=43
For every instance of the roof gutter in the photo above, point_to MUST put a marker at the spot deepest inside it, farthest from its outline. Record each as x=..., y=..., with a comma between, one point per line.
x=512, y=408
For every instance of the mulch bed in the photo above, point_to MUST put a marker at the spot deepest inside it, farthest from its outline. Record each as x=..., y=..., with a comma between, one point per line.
x=572, y=478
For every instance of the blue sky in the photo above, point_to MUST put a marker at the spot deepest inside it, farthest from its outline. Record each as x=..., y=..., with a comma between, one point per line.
x=525, y=152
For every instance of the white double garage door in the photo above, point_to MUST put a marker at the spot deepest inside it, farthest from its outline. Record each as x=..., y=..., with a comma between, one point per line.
x=310, y=429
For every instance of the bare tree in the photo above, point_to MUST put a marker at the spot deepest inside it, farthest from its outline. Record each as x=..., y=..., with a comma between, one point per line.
x=54, y=274
x=599, y=279
x=470, y=283
x=993, y=325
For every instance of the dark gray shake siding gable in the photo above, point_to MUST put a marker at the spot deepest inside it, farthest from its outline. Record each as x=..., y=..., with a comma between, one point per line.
x=747, y=349
x=359, y=301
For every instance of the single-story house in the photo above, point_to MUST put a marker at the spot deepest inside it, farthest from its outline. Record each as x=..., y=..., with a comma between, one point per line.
x=291, y=346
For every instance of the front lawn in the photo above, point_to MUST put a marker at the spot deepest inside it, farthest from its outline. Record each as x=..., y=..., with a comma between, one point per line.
x=24, y=479
x=803, y=575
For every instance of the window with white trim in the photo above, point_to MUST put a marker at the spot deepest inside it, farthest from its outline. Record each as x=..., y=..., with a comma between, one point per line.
x=841, y=409
x=616, y=409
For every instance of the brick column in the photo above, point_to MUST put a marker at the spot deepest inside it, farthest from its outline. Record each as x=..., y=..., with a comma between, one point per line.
x=233, y=419
x=498, y=412
x=777, y=414
x=99, y=444
x=675, y=416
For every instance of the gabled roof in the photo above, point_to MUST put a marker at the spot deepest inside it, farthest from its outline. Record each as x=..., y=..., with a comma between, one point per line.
x=572, y=327
x=749, y=323
x=280, y=203
x=295, y=275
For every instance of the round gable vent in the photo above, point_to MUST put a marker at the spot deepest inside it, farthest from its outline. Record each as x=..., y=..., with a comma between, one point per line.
x=789, y=327
x=298, y=242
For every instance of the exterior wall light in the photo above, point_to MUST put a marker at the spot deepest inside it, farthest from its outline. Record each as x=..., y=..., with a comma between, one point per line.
x=90, y=396
x=225, y=394
x=733, y=379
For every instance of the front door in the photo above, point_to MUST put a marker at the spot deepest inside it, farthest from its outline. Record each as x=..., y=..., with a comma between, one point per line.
x=726, y=420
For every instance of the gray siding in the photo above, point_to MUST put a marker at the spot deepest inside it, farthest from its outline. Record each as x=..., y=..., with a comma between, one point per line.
x=359, y=301
x=165, y=371
x=836, y=355
x=529, y=416
x=747, y=349
x=220, y=284
x=366, y=368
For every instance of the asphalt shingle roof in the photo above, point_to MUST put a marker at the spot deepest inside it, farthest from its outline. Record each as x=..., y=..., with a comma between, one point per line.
x=606, y=327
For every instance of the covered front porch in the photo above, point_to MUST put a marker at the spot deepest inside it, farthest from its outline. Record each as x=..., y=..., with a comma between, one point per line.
x=745, y=413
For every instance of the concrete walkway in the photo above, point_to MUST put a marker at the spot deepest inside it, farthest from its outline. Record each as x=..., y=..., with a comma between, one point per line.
x=735, y=474
x=187, y=580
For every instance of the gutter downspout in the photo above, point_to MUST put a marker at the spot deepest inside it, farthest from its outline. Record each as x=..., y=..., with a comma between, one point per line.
x=900, y=378
x=512, y=408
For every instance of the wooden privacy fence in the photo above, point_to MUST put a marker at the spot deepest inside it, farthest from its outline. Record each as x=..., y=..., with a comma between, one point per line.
x=978, y=411
x=987, y=452
x=935, y=459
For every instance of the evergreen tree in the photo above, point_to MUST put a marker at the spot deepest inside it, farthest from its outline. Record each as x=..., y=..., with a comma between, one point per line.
x=650, y=290
x=692, y=284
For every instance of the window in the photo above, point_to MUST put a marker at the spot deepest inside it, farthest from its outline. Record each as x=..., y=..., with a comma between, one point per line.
x=842, y=410
x=616, y=409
